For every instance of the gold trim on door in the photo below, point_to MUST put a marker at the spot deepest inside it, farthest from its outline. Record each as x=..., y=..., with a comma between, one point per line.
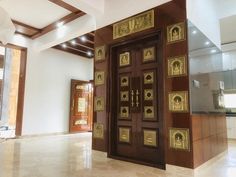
x=150, y=138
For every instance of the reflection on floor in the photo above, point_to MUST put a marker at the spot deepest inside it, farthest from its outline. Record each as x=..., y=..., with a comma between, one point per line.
x=71, y=156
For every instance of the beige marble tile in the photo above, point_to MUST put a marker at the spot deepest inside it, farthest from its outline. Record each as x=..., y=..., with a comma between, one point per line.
x=71, y=156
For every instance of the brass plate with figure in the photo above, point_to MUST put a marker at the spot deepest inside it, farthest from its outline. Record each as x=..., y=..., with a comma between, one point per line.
x=148, y=112
x=148, y=94
x=150, y=138
x=124, y=59
x=149, y=54
x=99, y=104
x=179, y=138
x=100, y=53
x=148, y=78
x=178, y=101
x=177, y=66
x=124, y=112
x=176, y=33
x=98, y=131
x=124, y=96
x=99, y=78
x=124, y=135
x=124, y=81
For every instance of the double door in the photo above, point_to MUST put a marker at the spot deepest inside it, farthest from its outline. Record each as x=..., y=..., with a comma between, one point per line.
x=137, y=118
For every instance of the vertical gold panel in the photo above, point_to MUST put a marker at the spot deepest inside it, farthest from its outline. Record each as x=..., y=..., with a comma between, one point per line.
x=124, y=59
x=148, y=94
x=124, y=81
x=99, y=78
x=178, y=101
x=150, y=138
x=124, y=111
x=148, y=78
x=176, y=33
x=149, y=112
x=124, y=96
x=100, y=53
x=149, y=54
x=124, y=135
x=99, y=104
x=177, y=66
x=179, y=138
x=98, y=131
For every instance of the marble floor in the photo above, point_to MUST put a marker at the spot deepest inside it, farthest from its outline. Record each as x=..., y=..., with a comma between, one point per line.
x=71, y=156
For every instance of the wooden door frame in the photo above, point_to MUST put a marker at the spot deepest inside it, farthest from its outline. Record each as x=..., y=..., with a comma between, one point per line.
x=111, y=143
x=71, y=94
x=21, y=87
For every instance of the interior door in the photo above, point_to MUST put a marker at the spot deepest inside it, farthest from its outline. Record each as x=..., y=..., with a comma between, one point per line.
x=138, y=117
x=81, y=104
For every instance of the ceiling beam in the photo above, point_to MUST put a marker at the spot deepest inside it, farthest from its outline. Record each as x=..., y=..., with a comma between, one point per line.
x=64, y=5
x=24, y=29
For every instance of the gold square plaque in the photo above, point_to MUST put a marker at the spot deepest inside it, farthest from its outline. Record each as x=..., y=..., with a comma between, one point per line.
x=98, y=131
x=148, y=78
x=99, y=78
x=134, y=24
x=100, y=53
x=148, y=94
x=176, y=33
x=124, y=111
x=177, y=66
x=148, y=112
x=150, y=138
x=124, y=135
x=124, y=96
x=179, y=138
x=124, y=59
x=178, y=101
x=124, y=81
x=149, y=54
x=99, y=104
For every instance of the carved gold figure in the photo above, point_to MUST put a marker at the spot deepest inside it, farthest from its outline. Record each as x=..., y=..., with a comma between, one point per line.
x=99, y=104
x=100, y=53
x=99, y=78
x=149, y=54
x=176, y=33
x=124, y=59
x=179, y=138
x=98, y=131
x=178, y=101
x=177, y=66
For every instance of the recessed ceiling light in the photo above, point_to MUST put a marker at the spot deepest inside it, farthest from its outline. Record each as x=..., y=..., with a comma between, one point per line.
x=60, y=24
x=194, y=32
x=64, y=45
x=83, y=38
x=89, y=53
x=73, y=42
x=207, y=43
x=213, y=51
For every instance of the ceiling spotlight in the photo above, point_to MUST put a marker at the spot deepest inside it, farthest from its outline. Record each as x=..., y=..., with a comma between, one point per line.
x=213, y=51
x=64, y=46
x=194, y=32
x=83, y=38
x=89, y=53
x=207, y=43
x=73, y=42
x=60, y=24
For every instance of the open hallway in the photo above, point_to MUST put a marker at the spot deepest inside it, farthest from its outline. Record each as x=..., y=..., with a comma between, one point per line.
x=71, y=155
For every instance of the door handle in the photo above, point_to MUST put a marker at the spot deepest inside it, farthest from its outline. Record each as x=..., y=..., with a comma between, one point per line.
x=132, y=98
x=137, y=96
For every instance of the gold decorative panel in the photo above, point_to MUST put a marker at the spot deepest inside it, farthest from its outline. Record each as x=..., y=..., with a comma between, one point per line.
x=81, y=122
x=148, y=94
x=179, y=138
x=124, y=111
x=99, y=104
x=177, y=66
x=148, y=78
x=99, y=78
x=124, y=96
x=176, y=33
x=150, y=138
x=149, y=54
x=100, y=53
x=124, y=59
x=124, y=135
x=124, y=81
x=148, y=112
x=178, y=101
x=134, y=24
x=98, y=131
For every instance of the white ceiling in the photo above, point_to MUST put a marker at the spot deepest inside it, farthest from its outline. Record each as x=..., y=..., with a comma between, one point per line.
x=228, y=29
x=36, y=13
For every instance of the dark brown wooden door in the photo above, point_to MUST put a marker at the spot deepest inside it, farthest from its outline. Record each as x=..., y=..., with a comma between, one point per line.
x=81, y=104
x=138, y=120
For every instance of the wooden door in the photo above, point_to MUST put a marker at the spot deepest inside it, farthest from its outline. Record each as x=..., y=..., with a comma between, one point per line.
x=137, y=123
x=81, y=104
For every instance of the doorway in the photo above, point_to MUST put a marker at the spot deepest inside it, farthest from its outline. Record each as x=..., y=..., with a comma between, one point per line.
x=81, y=106
x=136, y=121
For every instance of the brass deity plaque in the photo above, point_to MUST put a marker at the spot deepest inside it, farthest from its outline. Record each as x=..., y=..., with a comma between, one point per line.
x=148, y=94
x=176, y=33
x=148, y=78
x=99, y=104
x=179, y=138
x=98, y=131
x=149, y=54
x=177, y=66
x=124, y=81
x=134, y=24
x=124, y=135
x=100, y=53
x=148, y=112
x=150, y=138
x=124, y=59
x=178, y=101
x=124, y=111
x=124, y=96
x=99, y=78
